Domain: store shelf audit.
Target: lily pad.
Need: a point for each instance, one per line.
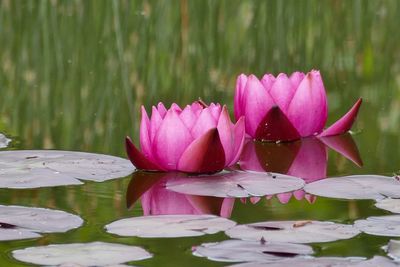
(245, 251)
(18, 222)
(4, 141)
(170, 225)
(380, 225)
(324, 262)
(81, 254)
(236, 184)
(356, 187)
(43, 168)
(389, 204)
(393, 249)
(293, 231)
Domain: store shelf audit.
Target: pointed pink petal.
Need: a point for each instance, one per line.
(282, 92)
(145, 143)
(171, 141)
(267, 81)
(311, 161)
(196, 108)
(255, 200)
(243, 200)
(225, 130)
(204, 123)
(215, 111)
(227, 207)
(155, 123)
(299, 194)
(176, 108)
(238, 99)
(344, 145)
(203, 155)
(275, 126)
(138, 159)
(239, 134)
(161, 109)
(296, 78)
(257, 103)
(344, 123)
(284, 197)
(308, 109)
(188, 117)
(310, 198)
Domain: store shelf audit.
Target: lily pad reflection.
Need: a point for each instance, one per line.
(18, 222)
(245, 251)
(293, 231)
(81, 254)
(236, 184)
(170, 226)
(43, 168)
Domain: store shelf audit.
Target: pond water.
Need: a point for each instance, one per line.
(74, 75)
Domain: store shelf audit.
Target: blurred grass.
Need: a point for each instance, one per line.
(73, 74)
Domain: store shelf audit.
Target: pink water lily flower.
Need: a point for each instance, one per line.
(286, 108)
(197, 139)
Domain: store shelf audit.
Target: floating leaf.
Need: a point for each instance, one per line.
(4, 141)
(42, 168)
(393, 249)
(380, 225)
(18, 222)
(169, 226)
(356, 187)
(293, 231)
(239, 251)
(236, 184)
(389, 204)
(324, 262)
(81, 254)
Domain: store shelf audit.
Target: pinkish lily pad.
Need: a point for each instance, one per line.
(43, 168)
(255, 251)
(18, 222)
(236, 184)
(170, 226)
(389, 204)
(393, 249)
(293, 231)
(81, 254)
(356, 187)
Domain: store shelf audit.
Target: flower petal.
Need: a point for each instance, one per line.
(204, 123)
(344, 123)
(284, 198)
(204, 155)
(299, 194)
(161, 109)
(227, 207)
(248, 159)
(155, 123)
(344, 145)
(282, 91)
(188, 117)
(267, 81)
(215, 111)
(238, 99)
(275, 126)
(145, 143)
(239, 134)
(138, 159)
(257, 103)
(308, 109)
(225, 130)
(296, 78)
(171, 140)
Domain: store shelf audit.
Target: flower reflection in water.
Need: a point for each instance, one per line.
(156, 199)
(306, 158)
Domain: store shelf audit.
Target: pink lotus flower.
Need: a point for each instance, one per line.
(306, 159)
(286, 108)
(156, 199)
(197, 139)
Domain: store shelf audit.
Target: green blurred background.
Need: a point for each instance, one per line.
(73, 75)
